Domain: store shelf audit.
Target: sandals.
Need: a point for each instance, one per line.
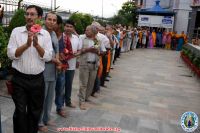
(62, 113)
(43, 129)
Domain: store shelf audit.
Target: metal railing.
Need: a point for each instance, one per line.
(10, 7)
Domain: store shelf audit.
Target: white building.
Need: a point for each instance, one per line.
(181, 8)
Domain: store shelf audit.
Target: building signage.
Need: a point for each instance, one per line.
(167, 20)
(144, 19)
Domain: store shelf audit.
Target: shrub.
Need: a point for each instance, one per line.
(196, 61)
(81, 21)
(5, 61)
(17, 20)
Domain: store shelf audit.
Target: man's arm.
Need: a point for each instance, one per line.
(13, 51)
(21, 49)
(45, 51)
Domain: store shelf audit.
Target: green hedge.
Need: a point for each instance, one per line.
(193, 58)
(17, 20)
(5, 62)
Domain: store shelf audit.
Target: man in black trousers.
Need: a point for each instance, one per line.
(29, 48)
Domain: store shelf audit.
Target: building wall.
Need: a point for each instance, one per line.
(181, 21)
(163, 3)
(182, 15)
(181, 7)
(151, 3)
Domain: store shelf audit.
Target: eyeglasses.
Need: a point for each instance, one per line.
(68, 26)
(31, 14)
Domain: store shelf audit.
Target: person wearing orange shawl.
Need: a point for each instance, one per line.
(139, 45)
(168, 41)
(154, 37)
(111, 41)
(181, 41)
(185, 38)
(122, 35)
(96, 87)
(174, 40)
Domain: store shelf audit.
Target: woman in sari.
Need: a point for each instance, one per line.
(168, 41)
(151, 41)
(164, 39)
(154, 37)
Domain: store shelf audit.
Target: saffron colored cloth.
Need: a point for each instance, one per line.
(154, 38)
(109, 61)
(100, 70)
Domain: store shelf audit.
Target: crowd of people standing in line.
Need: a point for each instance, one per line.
(44, 63)
(143, 37)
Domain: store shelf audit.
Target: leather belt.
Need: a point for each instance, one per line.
(91, 62)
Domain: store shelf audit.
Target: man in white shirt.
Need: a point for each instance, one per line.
(69, 73)
(29, 51)
(89, 62)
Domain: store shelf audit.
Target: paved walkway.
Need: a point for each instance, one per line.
(149, 91)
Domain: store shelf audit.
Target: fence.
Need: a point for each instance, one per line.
(10, 7)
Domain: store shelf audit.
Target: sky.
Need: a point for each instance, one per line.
(94, 7)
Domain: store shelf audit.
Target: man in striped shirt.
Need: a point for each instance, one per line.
(29, 52)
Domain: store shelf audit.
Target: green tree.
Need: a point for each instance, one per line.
(126, 15)
(17, 20)
(81, 21)
(86, 20)
(4, 60)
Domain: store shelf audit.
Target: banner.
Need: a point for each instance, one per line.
(156, 21)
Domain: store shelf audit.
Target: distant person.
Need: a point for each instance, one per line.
(29, 52)
(1, 13)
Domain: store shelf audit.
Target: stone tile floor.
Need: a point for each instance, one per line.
(149, 91)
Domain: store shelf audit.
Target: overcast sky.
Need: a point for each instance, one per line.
(94, 7)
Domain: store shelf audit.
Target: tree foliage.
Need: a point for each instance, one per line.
(17, 20)
(126, 15)
(81, 21)
(5, 62)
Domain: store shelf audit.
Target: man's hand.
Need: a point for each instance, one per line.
(77, 64)
(94, 50)
(29, 39)
(56, 61)
(35, 40)
(61, 56)
(109, 34)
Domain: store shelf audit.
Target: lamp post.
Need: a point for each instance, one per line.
(53, 5)
(102, 10)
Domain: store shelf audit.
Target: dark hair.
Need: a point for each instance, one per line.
(69, 22)
(37, 8)
(59, 20)
(51, 12)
